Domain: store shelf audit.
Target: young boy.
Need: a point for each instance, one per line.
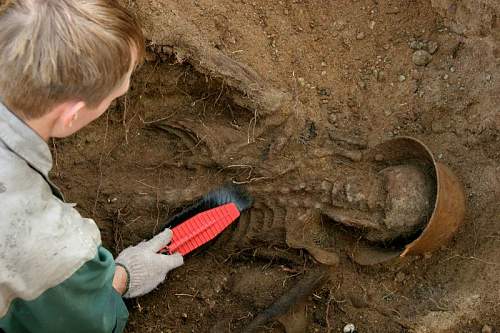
(62, 62)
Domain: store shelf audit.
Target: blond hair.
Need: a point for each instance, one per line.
(53, 51)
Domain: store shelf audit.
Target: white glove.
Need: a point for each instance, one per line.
(147, 268)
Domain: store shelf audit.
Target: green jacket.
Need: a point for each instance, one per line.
(54, 274)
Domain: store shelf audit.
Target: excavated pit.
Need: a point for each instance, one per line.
(295, 138)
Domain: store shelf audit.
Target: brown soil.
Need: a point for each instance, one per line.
(319, 77)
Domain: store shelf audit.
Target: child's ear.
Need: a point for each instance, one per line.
(70, 113)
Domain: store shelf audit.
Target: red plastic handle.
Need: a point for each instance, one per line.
(201, 229)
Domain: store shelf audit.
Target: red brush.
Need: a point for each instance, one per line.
(201, 228)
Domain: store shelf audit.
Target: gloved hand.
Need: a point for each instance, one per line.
(145, 267)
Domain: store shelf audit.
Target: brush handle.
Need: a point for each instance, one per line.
(201, 228)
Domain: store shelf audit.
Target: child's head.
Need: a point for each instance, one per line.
(66, 59)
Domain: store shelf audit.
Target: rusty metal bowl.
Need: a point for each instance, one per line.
(449, 207)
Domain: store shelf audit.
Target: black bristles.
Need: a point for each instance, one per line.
(223, 195)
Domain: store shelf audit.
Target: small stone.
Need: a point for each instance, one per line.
(360, 36)
(402, 78)
(421, 58)
(445, 77)
(323, 73)
(301, 81)
(488, 77)
(452, 69)
(349, 328)
(323, 64)
(432, 47)
(487, 329)
(371, 25)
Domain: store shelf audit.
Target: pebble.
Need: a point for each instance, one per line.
(360, 36)
(349, 328)
(402, 78)
(432, 47)
(421, 58)
(487, 329)
(301, 81)
(445, 77)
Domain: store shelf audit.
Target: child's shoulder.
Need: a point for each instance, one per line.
(18, 181)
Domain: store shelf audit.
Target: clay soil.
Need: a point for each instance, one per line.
(347, 67)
